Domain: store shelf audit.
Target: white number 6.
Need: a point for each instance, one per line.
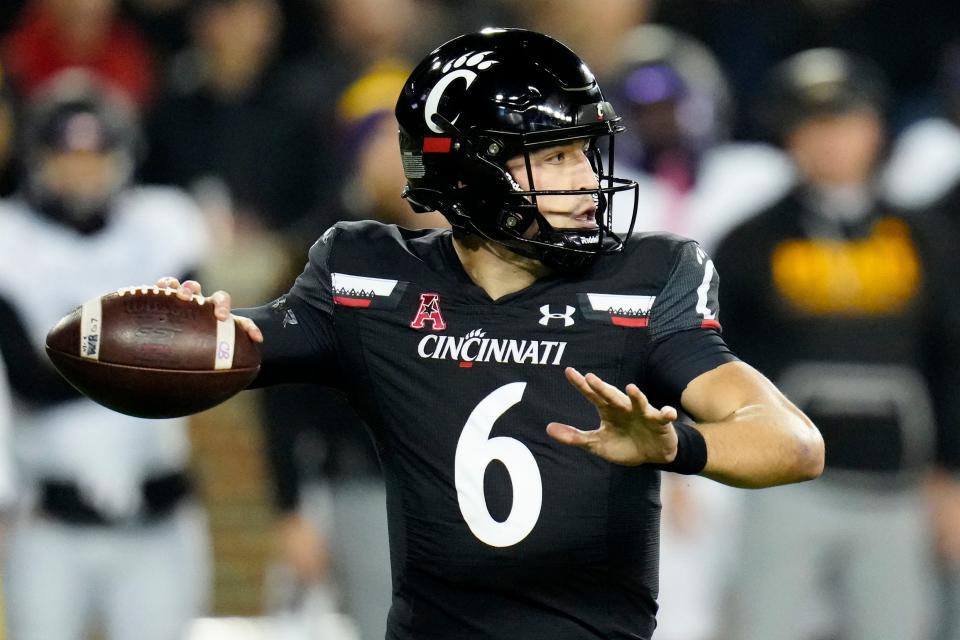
(475, 451)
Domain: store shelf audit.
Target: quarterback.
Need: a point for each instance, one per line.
(524, 373)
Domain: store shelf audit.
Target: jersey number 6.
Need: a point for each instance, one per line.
(475, 451)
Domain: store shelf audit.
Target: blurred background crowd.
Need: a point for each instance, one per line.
(811, 146)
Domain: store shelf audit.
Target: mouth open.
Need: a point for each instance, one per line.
(586, 219)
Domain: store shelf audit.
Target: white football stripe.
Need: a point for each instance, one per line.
(346, 282)
(91, 322)
(633, 304)
(226, 341)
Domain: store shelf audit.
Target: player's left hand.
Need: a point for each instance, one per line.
(631, 432)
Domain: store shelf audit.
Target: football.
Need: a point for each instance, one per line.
(145, 352)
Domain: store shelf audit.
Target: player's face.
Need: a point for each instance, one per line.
(837, 150)
(562, 167)
(80, 176)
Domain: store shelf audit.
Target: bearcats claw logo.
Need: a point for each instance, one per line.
(461, 68)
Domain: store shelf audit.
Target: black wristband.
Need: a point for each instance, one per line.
(691, 451)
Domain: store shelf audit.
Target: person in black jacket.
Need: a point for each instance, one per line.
(848, 306)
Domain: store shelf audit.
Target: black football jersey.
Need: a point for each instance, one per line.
(496, 530)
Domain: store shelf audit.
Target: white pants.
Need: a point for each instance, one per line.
(144, 582)
(698, 529)
(861, 557)
(352, 516)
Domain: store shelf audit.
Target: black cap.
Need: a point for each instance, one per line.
(75, 112)
(819, 82)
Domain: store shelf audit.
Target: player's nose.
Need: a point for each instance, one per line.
(583, 177)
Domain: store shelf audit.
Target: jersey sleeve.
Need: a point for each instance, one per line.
(684, 325)
(689, 298)
(299, 341)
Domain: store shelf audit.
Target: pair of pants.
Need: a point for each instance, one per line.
(854, 559)
(352, 516)
(136, 582)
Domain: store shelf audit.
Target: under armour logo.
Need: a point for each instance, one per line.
(566, 316)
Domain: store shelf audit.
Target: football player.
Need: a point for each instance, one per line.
(460, 349)
(850, 305)
(107, 530)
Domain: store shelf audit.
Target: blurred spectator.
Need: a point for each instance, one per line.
(328, 484)
(9, 11)
(107, 535)
(222, 120)
(925, 161)
(851, 309)
(7, 139)
(677, 107)
(331, 504)
(750, 36)
(368, 129)
(944, 490)
(358, 36)
(163, 23)
(54, 35)
(593, 29)
(166, 24)
(7, 481)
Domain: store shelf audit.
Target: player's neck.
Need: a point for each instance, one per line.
(496, 269)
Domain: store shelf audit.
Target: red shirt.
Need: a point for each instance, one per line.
(34, 52)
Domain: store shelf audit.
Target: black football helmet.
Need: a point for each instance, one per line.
(484, 98)
(76, 113)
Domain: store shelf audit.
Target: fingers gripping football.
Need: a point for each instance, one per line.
(220, 299)
(631, 430)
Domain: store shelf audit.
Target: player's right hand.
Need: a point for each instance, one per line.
(220, 299)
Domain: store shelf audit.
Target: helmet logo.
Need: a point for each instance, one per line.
(463, 67)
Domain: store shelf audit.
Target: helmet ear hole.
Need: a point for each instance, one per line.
(423, 200)
(512, 222)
